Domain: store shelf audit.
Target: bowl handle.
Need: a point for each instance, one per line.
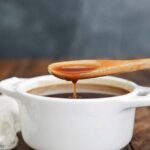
(9, 85)
(141, 98)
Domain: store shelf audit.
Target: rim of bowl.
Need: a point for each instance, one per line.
(22, 92)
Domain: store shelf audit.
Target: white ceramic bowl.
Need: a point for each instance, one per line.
(64, 124)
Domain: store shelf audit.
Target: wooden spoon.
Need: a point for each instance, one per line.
(82, 69)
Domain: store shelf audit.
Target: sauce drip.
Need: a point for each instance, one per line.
(74, 89)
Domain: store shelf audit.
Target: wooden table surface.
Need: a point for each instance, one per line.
(36, 67)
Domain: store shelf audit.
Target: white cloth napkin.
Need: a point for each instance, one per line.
(9, 123)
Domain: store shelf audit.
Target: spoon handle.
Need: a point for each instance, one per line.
(121, 66)
(140, 64)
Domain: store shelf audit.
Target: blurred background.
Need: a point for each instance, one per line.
(74, 28)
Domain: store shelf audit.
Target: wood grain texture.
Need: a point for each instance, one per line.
(35, 67)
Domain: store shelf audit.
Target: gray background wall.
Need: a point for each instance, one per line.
(74, 28)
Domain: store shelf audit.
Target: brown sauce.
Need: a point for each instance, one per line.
(100, 91)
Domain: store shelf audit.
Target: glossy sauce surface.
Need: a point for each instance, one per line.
(82, 95)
